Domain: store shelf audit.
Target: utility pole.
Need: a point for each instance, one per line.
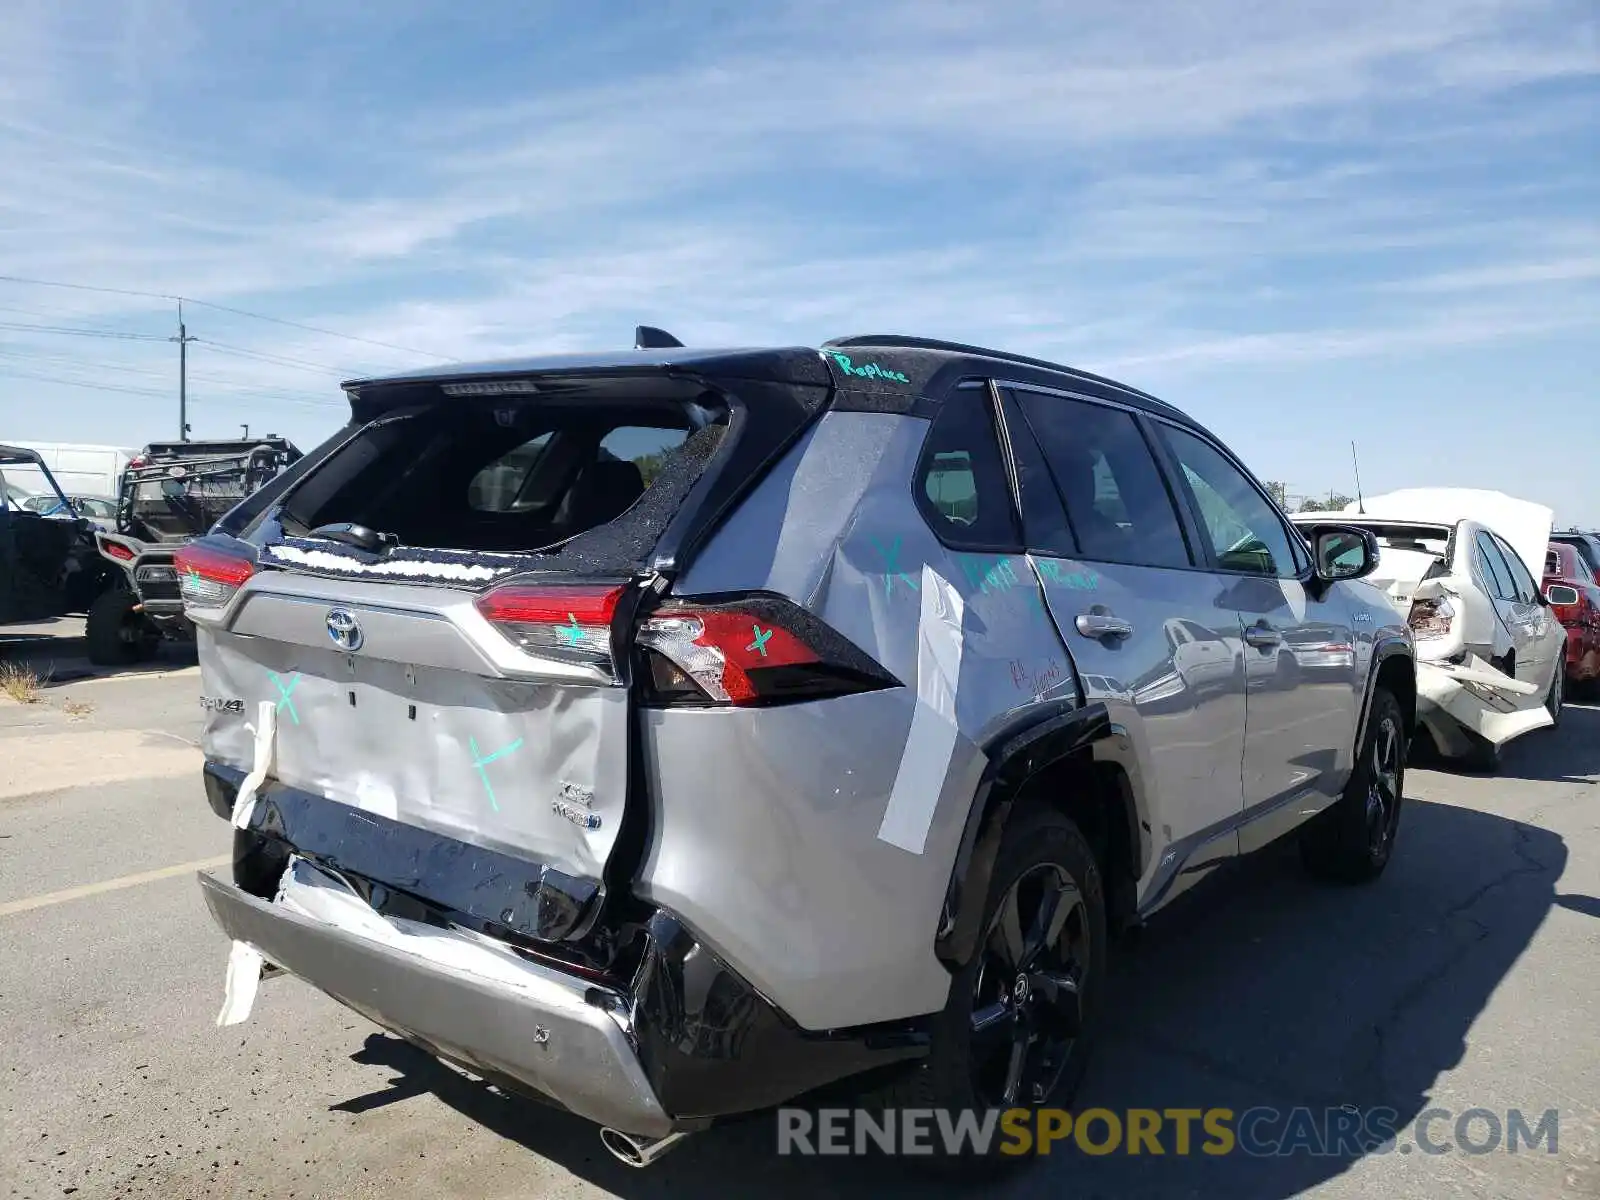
(1361, 504)
(183, 339)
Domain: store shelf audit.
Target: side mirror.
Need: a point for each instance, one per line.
(1559, 595)
(1342, 552)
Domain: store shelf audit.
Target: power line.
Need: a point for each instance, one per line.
(45, 312)
(281, 360)
(84, 287)
(102, 333)
(68, 361)
(227, 388)
(204, 401)
(349, 337)
(95, 387)
(240, 312)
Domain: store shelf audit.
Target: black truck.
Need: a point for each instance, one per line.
(171, 492)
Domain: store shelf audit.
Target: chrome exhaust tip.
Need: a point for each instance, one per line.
(635, 1151)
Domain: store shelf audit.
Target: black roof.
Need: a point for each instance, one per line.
(17, 455)
(886, 365)
(215, 446)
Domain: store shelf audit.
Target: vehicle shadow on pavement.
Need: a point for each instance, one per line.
(1570, 754)
(1259, 988)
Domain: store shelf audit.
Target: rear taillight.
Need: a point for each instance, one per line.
(756, 650)
(1431, 618)
(564, 622)
(117, 550)
(209, 578)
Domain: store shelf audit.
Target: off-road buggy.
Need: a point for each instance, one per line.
(171, 492)
(48, 564)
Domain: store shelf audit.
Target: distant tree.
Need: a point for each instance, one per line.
(649, 466)
(1278, 492)
(1334, 502)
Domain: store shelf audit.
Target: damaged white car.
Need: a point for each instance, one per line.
(1454, 562)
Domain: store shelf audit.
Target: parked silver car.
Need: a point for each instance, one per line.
(781, 720)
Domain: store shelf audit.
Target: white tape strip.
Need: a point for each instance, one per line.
(932, 737)
(245, 802)
(239, 988)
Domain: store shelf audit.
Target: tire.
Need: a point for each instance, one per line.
(1484, 756)
(117, 636)
(1555, 699)
(1041, 853)
(1353, 840)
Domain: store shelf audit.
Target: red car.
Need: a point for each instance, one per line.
(1574, 597)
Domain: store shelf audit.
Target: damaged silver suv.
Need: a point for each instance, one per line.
(669, 733)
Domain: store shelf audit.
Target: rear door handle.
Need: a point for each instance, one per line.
(1102, 625)
(1263, 636)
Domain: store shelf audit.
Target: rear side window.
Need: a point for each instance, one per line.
(1527, 590)
(502, 486)
(1117, 503)
(1495, 572)
(961, 484)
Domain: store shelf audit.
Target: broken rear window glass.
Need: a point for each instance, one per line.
(509, 478)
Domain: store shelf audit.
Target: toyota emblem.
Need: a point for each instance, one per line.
(344, 629)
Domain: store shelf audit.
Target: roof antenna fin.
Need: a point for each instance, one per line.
(648, 337)
(1356, 462)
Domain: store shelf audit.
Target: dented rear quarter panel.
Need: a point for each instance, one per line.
(770, 825)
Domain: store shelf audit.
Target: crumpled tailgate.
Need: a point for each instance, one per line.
(437, 722)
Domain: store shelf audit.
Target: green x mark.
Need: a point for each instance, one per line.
(285, 692)
(761, 640)
(480, 761)
(891, 567)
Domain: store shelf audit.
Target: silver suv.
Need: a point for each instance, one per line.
(668, 733)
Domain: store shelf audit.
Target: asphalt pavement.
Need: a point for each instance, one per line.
(1467, 978)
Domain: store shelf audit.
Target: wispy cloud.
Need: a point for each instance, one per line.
(1166, 188)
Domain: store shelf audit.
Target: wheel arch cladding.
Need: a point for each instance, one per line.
(1395, 670)
(1055, 745)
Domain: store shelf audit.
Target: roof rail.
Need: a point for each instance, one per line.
(901, 341)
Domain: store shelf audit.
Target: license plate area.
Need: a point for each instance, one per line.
(531, 769)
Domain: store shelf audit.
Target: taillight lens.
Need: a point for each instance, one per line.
(208, 577)
(565, 622)
(1431, 618)
(756, 650)
(117, 550)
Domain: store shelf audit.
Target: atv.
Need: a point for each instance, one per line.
(171, 492)
(48, 564)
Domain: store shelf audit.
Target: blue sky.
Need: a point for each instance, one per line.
(1303, 223)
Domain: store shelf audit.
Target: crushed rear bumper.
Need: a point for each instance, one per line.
(669, 1037)
(555, 1035)
(1457, 701)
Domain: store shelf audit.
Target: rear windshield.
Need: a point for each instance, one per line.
(507, 477)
